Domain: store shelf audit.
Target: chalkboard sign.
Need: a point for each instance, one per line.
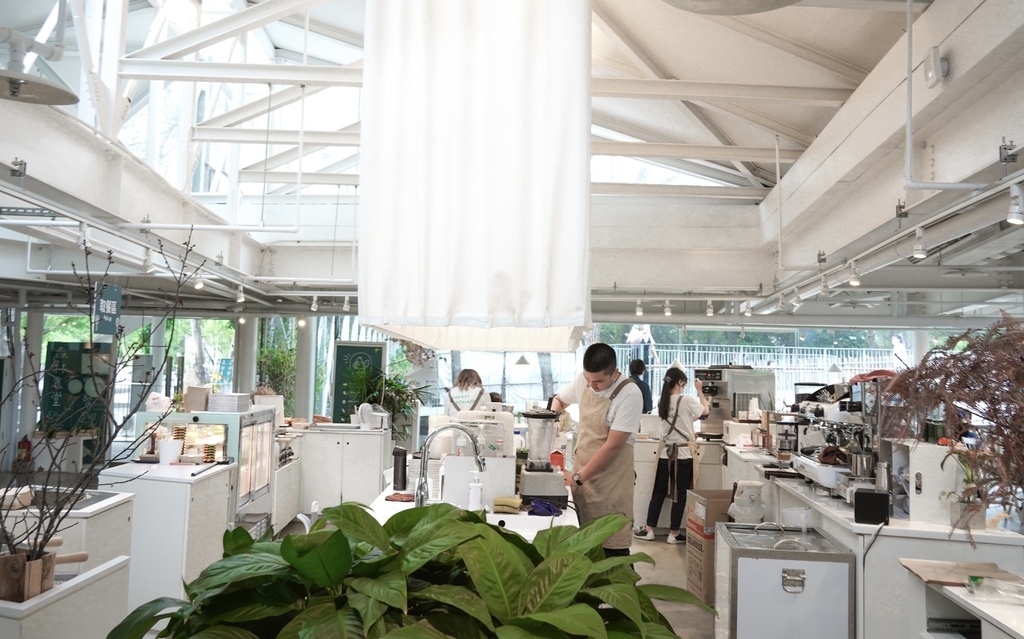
(76, 387)
(349, 355)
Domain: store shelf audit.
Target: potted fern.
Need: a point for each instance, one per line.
(394, 392)
(428, 572)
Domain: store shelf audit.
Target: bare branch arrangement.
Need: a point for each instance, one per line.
(979, 373)
(39, 497)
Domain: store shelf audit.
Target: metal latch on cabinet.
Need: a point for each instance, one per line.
(793, 580)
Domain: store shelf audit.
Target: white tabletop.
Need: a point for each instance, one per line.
(180, 473)
(1007, 617)
(840, 511)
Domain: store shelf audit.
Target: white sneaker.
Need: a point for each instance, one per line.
(676, 539)
(643, 533)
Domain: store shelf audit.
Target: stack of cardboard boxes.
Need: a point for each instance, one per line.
(704, 509)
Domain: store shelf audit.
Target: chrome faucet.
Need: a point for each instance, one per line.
(421, 484)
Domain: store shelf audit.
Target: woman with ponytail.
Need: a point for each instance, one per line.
(678, 412)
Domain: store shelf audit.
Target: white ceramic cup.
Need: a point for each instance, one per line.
(169, 450)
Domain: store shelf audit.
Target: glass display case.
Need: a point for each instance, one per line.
(243, 437)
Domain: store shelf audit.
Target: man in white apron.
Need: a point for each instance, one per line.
(610, 408)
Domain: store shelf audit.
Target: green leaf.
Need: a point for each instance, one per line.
(426, 542)
(240, 568)
(458, 597)
(651, 612)
(672, 593)
(374, 564)
(323, 622)
(236, 540)
(141, 620)
(577, 619)
(249, 604)
(224, 632)
(497, 573)
(611, 562)
(536, 631)
(553, 584)
(594, 533)
(419, 630)
(370, 610)
(388, 588)
(358, 524)
(403, 522)
(324, 556)
(658, 631)
(549, 540)
(624, 599)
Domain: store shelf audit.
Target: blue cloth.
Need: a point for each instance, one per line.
(645, 390)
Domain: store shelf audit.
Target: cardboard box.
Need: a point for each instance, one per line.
(704, 509)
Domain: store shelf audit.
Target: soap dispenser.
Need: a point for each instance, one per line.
(476, 491)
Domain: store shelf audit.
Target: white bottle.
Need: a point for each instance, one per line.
(476, 491)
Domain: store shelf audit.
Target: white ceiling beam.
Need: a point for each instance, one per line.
(679, 190)
(693, 151)
(773, 125)
(188, 71)
(284, 157)
(341, 166)
(849, 74)
(229, 26)
(291, 177)
(233, 135)
(261, 106)
(656, 89)
(605, 21)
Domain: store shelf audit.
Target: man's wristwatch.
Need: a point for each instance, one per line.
(576, 478)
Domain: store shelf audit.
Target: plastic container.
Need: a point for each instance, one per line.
(995, 590)
(797, 518)
(476, 492)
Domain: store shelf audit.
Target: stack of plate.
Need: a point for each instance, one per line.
(229, 403)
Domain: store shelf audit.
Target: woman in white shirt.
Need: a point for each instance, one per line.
(468, 393)
(678, 412)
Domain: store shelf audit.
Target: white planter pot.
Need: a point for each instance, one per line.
(89, 605)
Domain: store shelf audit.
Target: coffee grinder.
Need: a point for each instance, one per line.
(538, 479)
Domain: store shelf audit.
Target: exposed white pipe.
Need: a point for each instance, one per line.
(149, 226)
(38, 223)
(909, 143)
(778, 193)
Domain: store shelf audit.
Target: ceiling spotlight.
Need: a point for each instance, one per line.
(1016, 214)
(241, 295)
(824, 286)
(199, 281)
(854, 275)
(796, 301)
(147, 262)
(639, 309)
(919, 250)
(743, 332)
(345, 307)
(302, 322)
(710, 310)
(668, 309)
(749, 310)
(241, 320)
(314, 305)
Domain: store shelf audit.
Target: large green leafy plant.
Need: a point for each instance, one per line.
(427, 573)
(395, 392)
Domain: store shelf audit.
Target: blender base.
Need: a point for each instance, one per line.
(548, 486)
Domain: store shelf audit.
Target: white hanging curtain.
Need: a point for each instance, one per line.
(475, 181)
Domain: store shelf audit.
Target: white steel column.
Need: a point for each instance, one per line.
(305, 367)
(244, 379)
(158, 350)
(921, 345)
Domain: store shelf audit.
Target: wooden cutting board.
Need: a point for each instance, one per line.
(952, 573)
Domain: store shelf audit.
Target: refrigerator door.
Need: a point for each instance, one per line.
(776, 604)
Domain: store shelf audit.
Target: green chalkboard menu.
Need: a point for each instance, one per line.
(347, 356)
(76, 387)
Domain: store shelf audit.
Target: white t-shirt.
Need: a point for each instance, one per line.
(623, 414)
(465, 399)
(690, 411)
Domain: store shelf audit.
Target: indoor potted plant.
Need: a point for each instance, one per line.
(428, 572)
(394, 392)
(978, 374)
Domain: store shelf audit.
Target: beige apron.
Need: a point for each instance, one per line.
(611, 490)
(673, 454)
(475, 401)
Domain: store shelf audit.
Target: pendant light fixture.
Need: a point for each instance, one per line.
(668, 309)
(854, 275)
(241, 295)
(919, 247)
(1016, 214)
(199, 281)
(314, 306)
(710, 310)
(639, 309)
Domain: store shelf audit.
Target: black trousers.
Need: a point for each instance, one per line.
(684, 475)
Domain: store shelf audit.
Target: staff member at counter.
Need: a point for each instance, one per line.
(610, 409)
(468, 394)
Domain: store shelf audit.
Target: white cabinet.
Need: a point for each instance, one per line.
(178, 525)
(341, 465)
(645, 463)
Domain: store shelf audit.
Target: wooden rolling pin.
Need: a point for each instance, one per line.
(71, 558)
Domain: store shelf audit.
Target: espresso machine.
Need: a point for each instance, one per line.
(538, 478)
